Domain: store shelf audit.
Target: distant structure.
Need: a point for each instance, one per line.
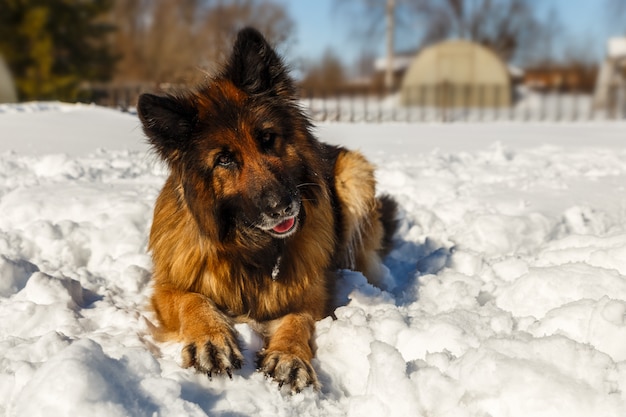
(7, 88)
(564, 78)
(457, 73)
(401, 62)
(611, 83)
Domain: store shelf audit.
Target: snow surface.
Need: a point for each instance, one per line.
(506, 293)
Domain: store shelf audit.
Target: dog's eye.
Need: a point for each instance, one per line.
(224, 160)
(267, 139)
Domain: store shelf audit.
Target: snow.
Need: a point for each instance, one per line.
(506, 292)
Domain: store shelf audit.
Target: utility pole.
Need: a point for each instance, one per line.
(391, 5)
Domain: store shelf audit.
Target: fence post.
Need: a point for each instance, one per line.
(365, 105)
(452, 107)
(338, 106)
(496, 102)
(441, 98)
(558, 104)
(575, 100)
(622, 99)
(481, 102)
(612, 101)
(542, 106)
(351, 99)
(408, 102)
(589, 113)
(466, 101)
(442, 101)
(423, 96)
(511, 104)
(380, 104)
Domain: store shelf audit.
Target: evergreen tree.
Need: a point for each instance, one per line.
(51, 46)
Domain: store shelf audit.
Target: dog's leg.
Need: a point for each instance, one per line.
(209, 336)
(368, 222)
(289, 350)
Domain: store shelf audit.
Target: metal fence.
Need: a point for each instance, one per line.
(480, 104)
(436, 104)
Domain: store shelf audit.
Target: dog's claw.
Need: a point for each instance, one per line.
(213, 359)
(287, 369)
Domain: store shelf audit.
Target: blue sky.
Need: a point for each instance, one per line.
(318, 28)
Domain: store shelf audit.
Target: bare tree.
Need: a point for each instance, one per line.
(580, 52)
(177, 40)
(223, 18)
(325, 77)
(509, 27)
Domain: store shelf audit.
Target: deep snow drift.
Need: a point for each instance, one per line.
(506, 293)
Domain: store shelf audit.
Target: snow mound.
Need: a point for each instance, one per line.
(505, 293)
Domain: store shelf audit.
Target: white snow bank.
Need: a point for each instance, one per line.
(506, 293)
(51, 127)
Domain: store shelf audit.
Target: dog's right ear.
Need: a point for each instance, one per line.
(168, 122)
(255, 67)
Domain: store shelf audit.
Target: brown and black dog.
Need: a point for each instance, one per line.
(255, 218)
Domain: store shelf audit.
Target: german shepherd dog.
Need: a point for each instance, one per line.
(255, 218)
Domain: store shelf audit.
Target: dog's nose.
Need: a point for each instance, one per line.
(277, 206)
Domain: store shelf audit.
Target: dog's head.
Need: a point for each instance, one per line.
(239, 147)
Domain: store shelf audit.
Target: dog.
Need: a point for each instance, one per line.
(255, 218)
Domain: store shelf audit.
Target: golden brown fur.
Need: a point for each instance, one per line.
(243, 167)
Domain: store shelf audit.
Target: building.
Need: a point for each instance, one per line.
(567, 79)
(401, 62)
(456, 73)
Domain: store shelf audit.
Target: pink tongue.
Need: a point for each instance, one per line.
(285, 226)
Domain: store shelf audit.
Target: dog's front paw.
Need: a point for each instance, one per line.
(216, 356)
(287, 368)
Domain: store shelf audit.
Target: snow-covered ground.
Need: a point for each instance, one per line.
(506, 294)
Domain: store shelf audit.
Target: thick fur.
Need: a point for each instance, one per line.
(244, 166)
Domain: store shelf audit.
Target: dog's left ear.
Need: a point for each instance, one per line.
(256, 68)
(167, 122)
